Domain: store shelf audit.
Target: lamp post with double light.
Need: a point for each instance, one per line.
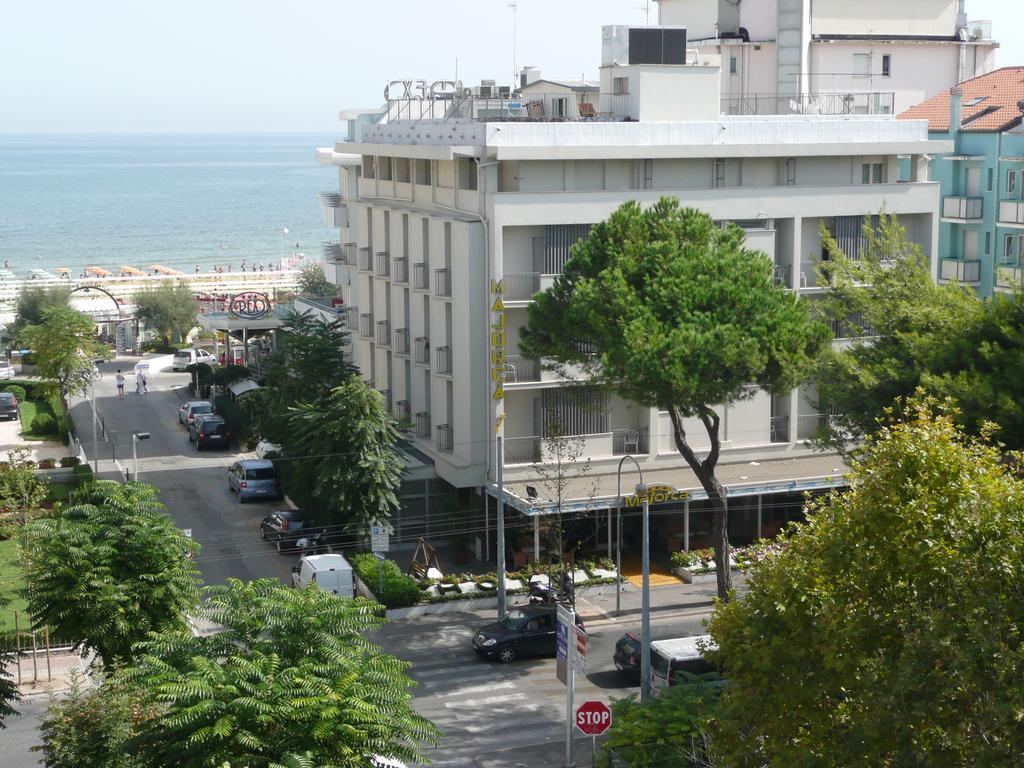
(645, 604)
(136, 436)
(618, 531)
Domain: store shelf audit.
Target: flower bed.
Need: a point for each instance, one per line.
(465, 586)
(698, 565)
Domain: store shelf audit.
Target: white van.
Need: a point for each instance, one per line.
(331, 573)
(684, 654)
(183, 358)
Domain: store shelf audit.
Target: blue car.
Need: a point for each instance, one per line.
(254, 479)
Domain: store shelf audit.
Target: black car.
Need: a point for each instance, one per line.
(9, 406)
(209, 429)
(285, 526)
(627, 655)
(528, 630)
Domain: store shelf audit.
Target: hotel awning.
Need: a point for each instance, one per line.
(242, 387)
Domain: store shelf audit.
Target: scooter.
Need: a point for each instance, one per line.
(541, 594)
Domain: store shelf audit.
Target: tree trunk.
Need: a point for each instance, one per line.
(705, 472)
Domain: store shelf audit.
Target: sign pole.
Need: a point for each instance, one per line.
(570, 690)
(499, 469)
(645, 608)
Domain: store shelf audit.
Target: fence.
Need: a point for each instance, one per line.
(29, 650)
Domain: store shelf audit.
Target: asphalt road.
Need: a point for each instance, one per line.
(193, 484)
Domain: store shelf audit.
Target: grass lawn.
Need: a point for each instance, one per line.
(12, 580)
(29, 410)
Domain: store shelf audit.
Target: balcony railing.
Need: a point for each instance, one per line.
(779, 429)
(445, 438)
(365, 260)
(421, 349)
(444, 360)
(366, 325)
(521, 286)
(383, 333)
(965, 208)
(1011, 212)
(845, 103)
(383, 264)
(963, 271)
(519, 370)
(1009, 277)
(522, 450)
(442, 282)
(423, 425)
(401, 341)
(352, 318)
(351, 254)
(526, 107)
(629, 442)
(421, 276)
(400, 269)
(385, 395)
(402, 410)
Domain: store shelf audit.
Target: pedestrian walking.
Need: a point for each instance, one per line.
(120, 384)
(138, 382)
(145, 384)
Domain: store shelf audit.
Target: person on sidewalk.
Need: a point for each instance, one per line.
(145, 384)
(120, 384)
(138, 382)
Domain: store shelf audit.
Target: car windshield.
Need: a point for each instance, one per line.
(512, 619)
(202, 408)
(6, 399)
(260, 473)
(183, 354)
(629, 644)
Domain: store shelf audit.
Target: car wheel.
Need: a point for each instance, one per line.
(506, 654)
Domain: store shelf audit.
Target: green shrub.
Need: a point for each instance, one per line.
(70, 461)
(236, 416)
(84, 473)
(44, 424)
(15, 389)
(400, 591)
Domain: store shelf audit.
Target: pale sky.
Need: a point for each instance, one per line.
(226, 65)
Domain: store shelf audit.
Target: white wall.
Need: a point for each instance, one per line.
(667, 94)
(698, 16)
(883, 17)
(760, 19)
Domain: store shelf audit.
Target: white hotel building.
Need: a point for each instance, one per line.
(447, 192)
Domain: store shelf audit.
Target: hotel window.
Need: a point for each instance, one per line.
(988, 243)
(872, 173)
(991, 176)
(368, 166)
(718, 177)
(861, 64)
(620, 85)
(789, 172)
(1012, 184)
(886, 64)
(732, 65)
(1009, 257)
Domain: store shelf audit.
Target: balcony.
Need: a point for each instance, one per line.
(400, 270)
(334, 210)
(383, 333)
(848, 103)
(445, 438)
(402, 410)
(526, 107)
(966, 271)
(442, 283)
(521, 287)
(366, 325)
(351, 251)
(365, 260)
(352, 317)
(423, 425)
(334, 253)
(536, 449)
(1011, 212)
(401, 346)
(961, 208)
(421, 350)
(444, 361)
(779, 429)
(521, 370)
(421, 277)
(628, 442)
(1009, 277)
(385, 395)
(383, 264)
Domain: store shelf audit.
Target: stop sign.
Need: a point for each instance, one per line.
(593, 717)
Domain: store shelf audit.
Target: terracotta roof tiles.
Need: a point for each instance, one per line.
(990, 103)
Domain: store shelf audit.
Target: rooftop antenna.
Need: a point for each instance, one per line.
(515, 69)
(646, 8)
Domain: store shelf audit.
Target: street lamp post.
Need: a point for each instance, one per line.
(645, 605)
(95, 440)
(618, 531)
(136, 436)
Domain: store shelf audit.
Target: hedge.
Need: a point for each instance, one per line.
(400, 591)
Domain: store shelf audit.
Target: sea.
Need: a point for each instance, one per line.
(181, 201)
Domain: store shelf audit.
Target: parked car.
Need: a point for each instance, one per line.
(330, 573)
(286, 526)
(528, 630)
(9, 407)
(254, 478)
(683, 654)
(183, 358)
(209, 430)
(627, 655)
(6, 370)
(265, 447)
(188, 412)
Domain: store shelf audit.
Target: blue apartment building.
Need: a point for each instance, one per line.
(981, 230)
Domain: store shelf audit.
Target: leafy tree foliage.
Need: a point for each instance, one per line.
(669, 310)
(313, 282)
(63, 344)
(910, 332)
(291, 678)
(21, 492)
(8, 689)
(341, 455)
(33, 301)
(170, 309)
(888, 632)
(109, 569)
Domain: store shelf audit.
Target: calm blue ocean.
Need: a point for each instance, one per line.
(175, 200)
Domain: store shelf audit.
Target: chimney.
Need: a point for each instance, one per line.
(956, 108)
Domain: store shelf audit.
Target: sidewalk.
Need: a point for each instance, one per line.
(550, 753)
(597, 604)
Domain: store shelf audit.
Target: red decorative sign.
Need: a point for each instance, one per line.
(593, 717)
(249, 305)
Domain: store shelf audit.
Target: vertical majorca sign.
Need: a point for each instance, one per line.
(499, 339)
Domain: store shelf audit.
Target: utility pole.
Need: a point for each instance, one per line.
(645, 606)
(499, 470)
(515, 33)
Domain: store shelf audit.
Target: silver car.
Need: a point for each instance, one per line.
(188, 412)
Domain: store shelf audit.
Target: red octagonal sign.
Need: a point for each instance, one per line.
(593, 717)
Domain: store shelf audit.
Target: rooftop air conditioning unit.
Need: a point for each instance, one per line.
(504, 91)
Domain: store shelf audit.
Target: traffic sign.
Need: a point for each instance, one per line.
(579, 658)
(566, 619)
(593, 717)
(380, 539)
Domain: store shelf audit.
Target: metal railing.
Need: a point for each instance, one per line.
(383, 333)
(366, 325)
(779, 429)
(421, 350)
(630, 441)
(334, 252)
(423, 424)
(961, 270)
(330, 199)
(841, 103)
(420, 276)
(351, 253)
(400, 269)
(445, 438)
(402, 410)
(401, 346)
(365, 259)
(1008, 277)
(520, 370)
(352, 317)
(514, 107)
(442, 283)
(1011, 212)
(386, 397)
(522, 450)
(444, 360)
(383, 264)
(521, 286)
(961, 207)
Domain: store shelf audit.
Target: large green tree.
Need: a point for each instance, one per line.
(670, 310)
(291, 680)
(313, 282)
(63, 345)
(109, 568)
(888, 632)
(9, 695)
(33, 301)
(170, 309)
(341, 454)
